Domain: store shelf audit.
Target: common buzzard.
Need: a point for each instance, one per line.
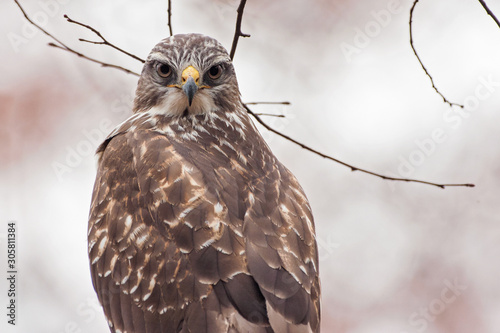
(195, 226)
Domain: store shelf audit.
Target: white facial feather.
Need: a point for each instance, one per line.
(176, 102)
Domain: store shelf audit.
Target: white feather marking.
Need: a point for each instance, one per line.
(218, 208)
(172, 223)
(251, 198)
(209, 242)
(219, 149)
(152, 283)
(137, 231)
(235, 118)
(128, 222)
(242, 158)
(111, 265)
(185, 212)
(193, 136)
(143, 150)
(226, 143)
(168, 131)
(141, 240)
(284, 209)
(242, 133)
(101, 248)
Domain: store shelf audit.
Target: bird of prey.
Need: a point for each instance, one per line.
(194, 225)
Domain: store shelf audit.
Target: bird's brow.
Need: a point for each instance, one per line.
(158, 56)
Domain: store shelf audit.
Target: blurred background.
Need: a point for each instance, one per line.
(394, 257)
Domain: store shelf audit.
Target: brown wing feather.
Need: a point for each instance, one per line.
(158, 240)
(191, 238)
(282, 253)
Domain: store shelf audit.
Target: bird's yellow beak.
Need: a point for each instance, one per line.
(190, 82)
(190, 71)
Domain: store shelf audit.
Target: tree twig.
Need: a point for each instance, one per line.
(104, 41)
(420, 61)
(490, 13)
(103, 64)
(270, 115)
(169, 13)
(269, 103)
(67, 48)
(353, 168)
(273, 103)
(237, 30)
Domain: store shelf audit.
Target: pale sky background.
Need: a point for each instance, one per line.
(394, 257)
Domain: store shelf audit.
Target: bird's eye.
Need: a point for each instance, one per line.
(164, 70)
(215, 72)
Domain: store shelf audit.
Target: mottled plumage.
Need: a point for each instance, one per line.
(195, 226)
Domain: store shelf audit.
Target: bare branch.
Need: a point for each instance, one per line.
(67, 48)
(490, 13)
(237, 30)
(420, 61)
(39, 27)
(353, 168)
(104, 41)
(269, 103)
(271, 115)
(103, 64)
(169, 12)
(273, 103)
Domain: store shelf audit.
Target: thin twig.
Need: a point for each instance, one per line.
(169, 12)
(237, 30)
(67, 48)
(103, 64)
(353, 168)
(269, 103)
(490, 13)
(104, 41)
(37, 26)
(274, 103)
(271, 115)
(420, 61)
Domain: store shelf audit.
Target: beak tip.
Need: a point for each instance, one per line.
(190, 88)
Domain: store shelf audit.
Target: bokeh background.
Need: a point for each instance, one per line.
(395, 257)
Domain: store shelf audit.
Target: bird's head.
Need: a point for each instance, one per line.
(187, 75)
